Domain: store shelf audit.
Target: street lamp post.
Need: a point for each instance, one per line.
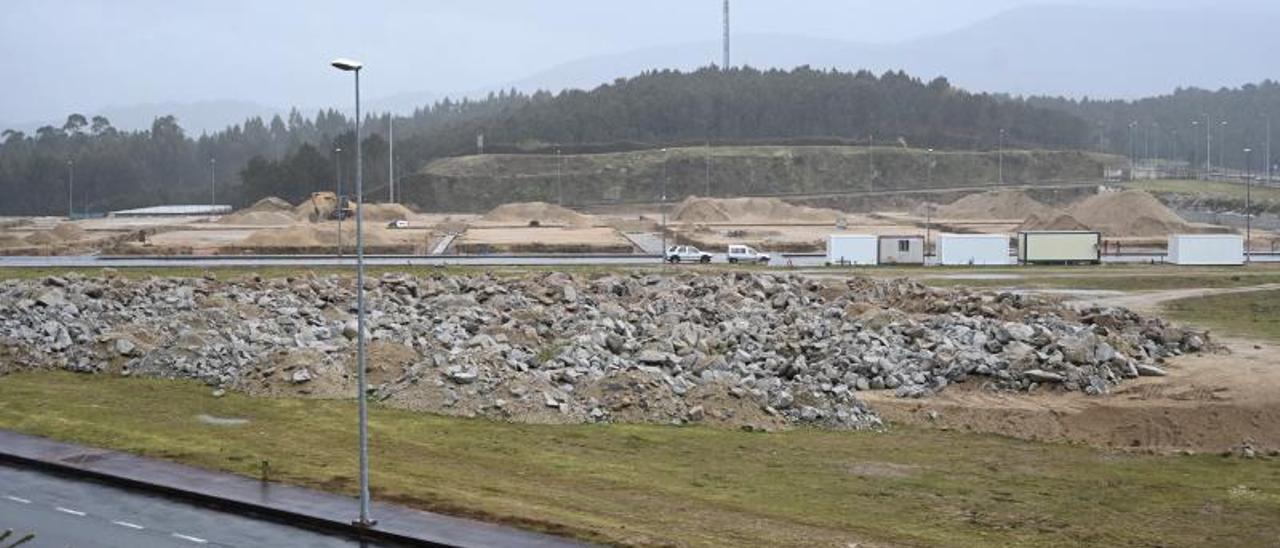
(71, 185)
(1248, 201)
(559, 177)
(213, 185)
(337, 154)
(363, 397)
(1222, 148)
(928, 207)
(1133, 174)
(663, 205)
(1001, 161)
(391, 157)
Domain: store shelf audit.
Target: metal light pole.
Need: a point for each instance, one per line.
(1222, 147)
(1248, 202)
(1208, 147)
(871, 164)
(364, 521)
(663, 205)
(71, 185)
(1195, 145)
(337, 154)
(213, 185)
(1001, 166)
(1268, 154)
(559, 177)
(1133, 168)
(928, 207)
(391, 157)
(707, 157)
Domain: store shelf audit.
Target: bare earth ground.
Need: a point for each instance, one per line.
(1207, 403)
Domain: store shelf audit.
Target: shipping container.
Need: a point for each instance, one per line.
(902, 250)
(1060, 247)
(1206, 249)
(852, 249)
(974, 249)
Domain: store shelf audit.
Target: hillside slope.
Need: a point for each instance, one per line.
(477, 183)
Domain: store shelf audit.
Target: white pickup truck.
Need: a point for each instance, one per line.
(746, 254)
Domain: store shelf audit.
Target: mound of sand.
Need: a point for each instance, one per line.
(68, 232)
(9, 240)
(260, 218)
(382, 213)
(1131, 213)
(307, 235)
(269, 204)
(749, 210)
(44, 237)
(542, 212)
(1001, 204)
(1057, 221)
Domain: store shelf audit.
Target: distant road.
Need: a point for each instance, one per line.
(64, 512)
(188, 261)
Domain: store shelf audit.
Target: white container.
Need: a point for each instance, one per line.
(973, 249)
(902, 250)
(1060, 246)
(853, 249)
(1206, 249)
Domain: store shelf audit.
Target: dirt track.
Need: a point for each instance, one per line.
(1207, 403)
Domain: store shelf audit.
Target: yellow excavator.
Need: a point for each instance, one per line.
(328, 206)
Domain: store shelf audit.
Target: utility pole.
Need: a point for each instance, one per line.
(1222, 147)
(1268, 153)
(1208, 147)
(726, 35)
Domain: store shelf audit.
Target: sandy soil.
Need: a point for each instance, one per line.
(515, 238)
(1207, 403)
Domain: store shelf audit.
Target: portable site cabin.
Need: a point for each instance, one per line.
(853, 249)
(1060, 246)
(973, 249)
(1206, 249)
(902, 250)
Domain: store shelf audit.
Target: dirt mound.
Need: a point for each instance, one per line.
(382, 213)
(296, 236)
(260, 218)
(1058, 221)
(68, 232)
(44, 237)
(749, 210)
(1132, 213)
(270, 204)
(542, 212)
(9, 240)
(1001, 204)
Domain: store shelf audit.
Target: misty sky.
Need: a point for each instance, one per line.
(82, 55)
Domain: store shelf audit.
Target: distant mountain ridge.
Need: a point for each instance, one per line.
(1039, 50)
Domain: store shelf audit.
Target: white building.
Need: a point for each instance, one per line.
(974, 249)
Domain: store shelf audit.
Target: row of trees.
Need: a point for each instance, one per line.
(294, 155)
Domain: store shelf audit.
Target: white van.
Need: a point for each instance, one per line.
(746, 254)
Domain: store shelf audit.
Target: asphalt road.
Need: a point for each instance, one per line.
(63, 512)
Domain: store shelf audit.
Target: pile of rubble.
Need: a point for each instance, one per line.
(745, 349)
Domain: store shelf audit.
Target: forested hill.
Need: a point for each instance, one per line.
(293, 156)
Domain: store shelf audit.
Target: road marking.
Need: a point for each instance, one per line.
(68, 511)
(129, 525)
(192, 539)
(17, 499)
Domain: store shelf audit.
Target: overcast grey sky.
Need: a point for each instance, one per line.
(83, 55)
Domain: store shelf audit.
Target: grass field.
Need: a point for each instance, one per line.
(653, 485)
(1254, 314)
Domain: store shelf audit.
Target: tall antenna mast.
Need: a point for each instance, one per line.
(726, 35)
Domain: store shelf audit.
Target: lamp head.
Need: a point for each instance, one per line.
(342, 63)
